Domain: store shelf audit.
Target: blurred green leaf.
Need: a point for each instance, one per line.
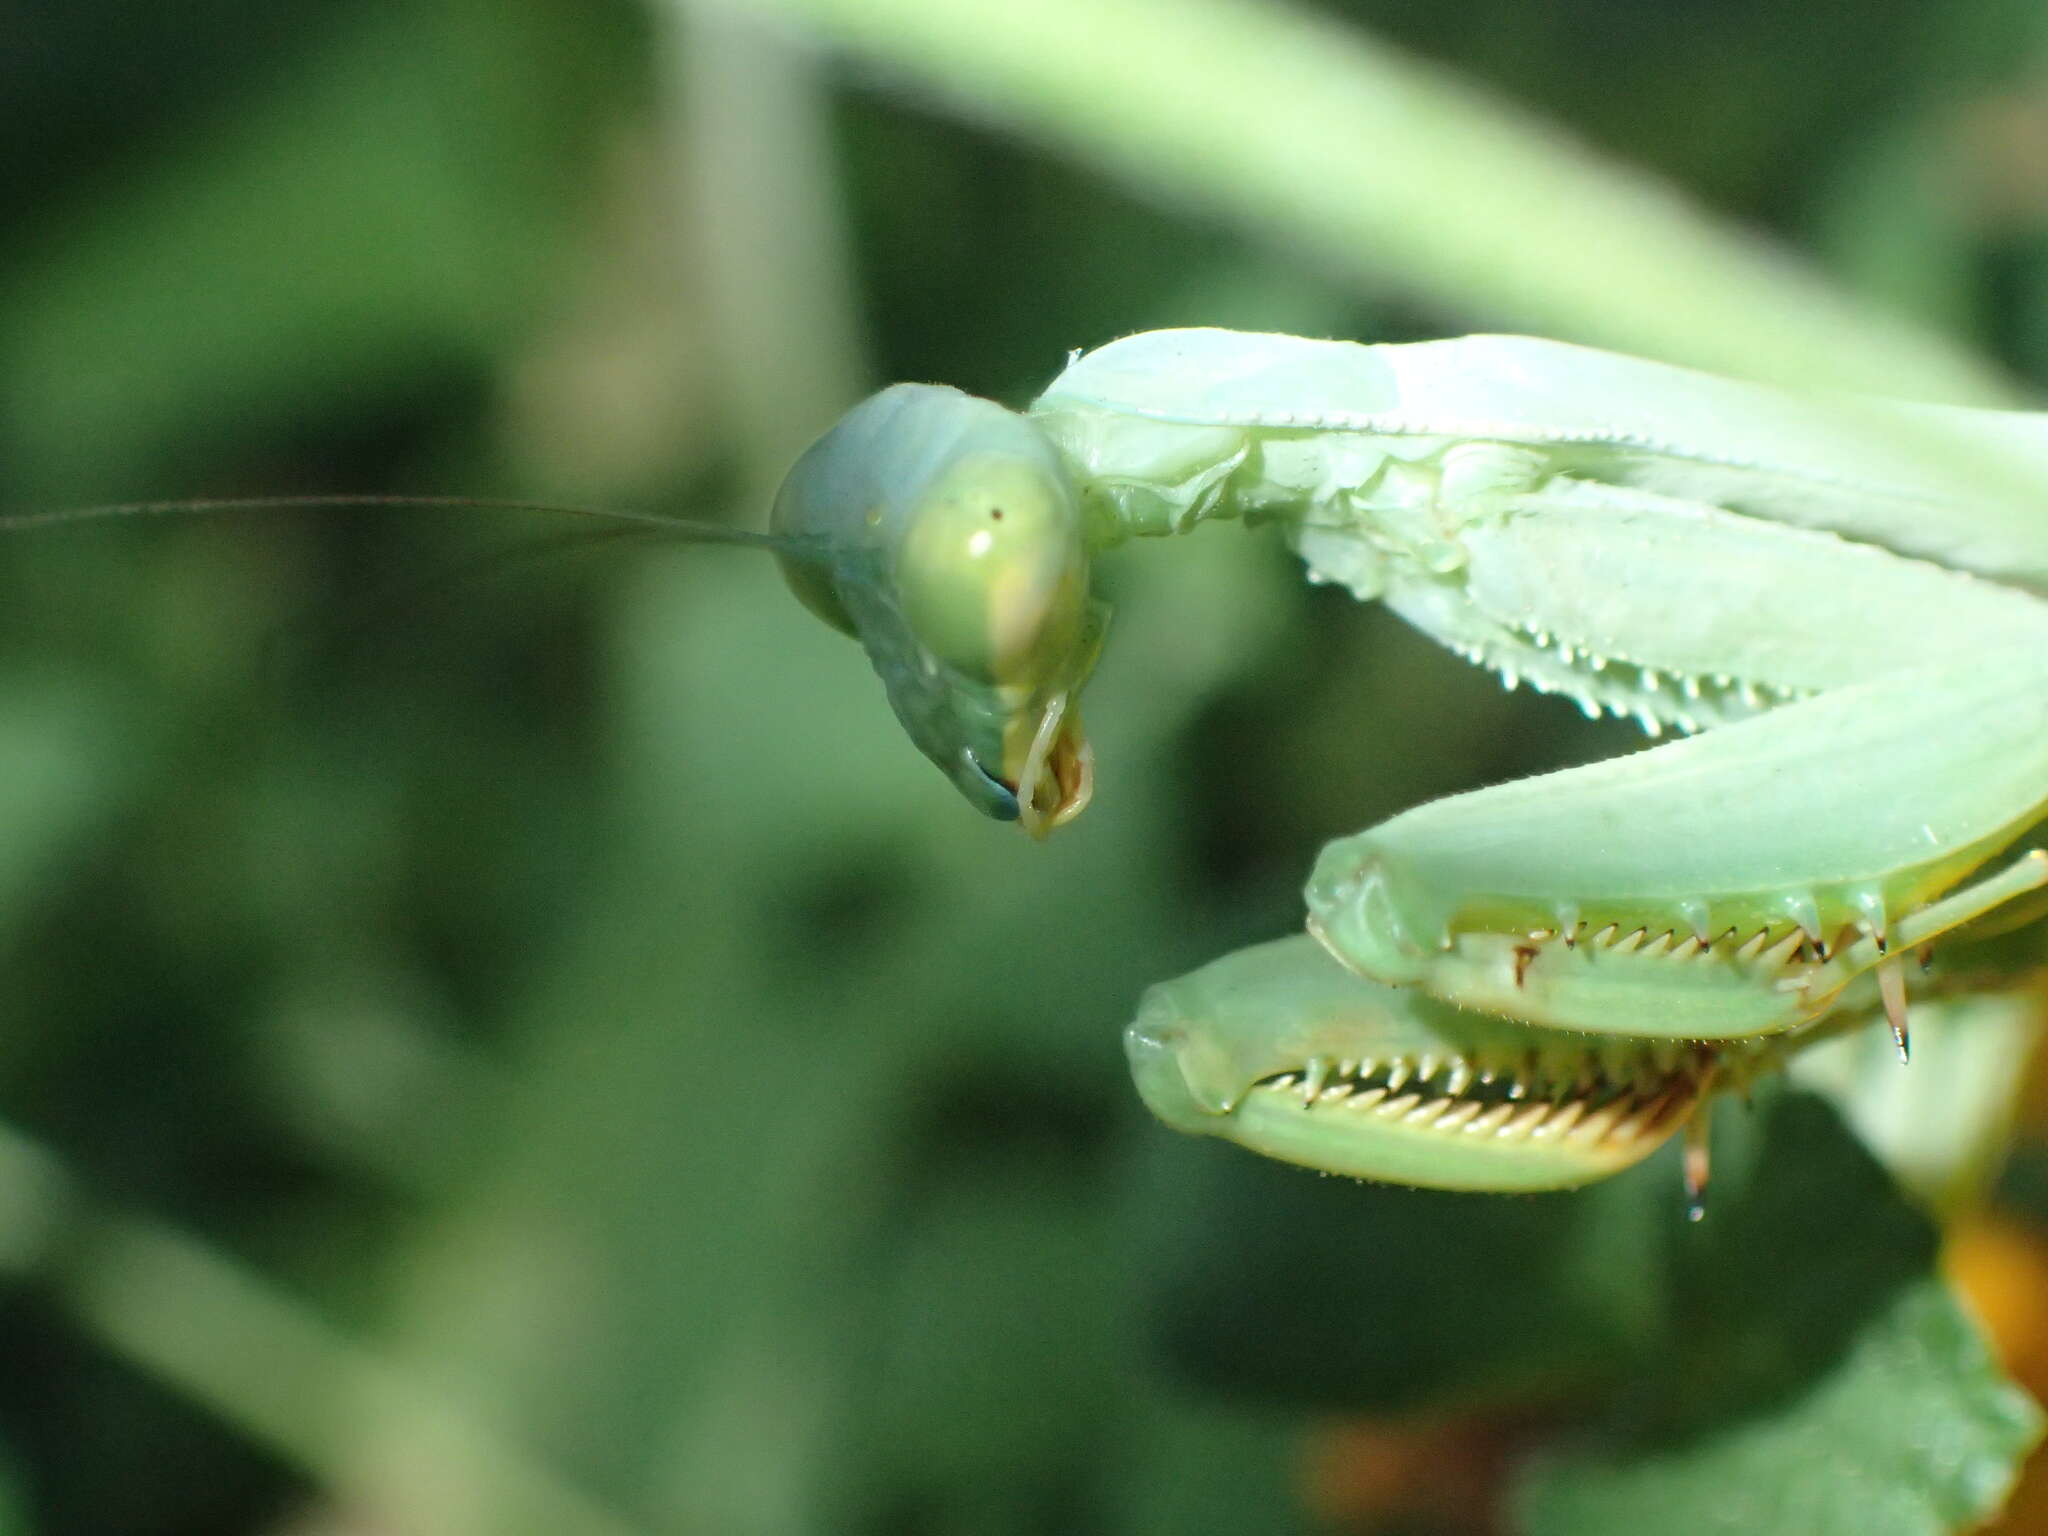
(1815, 1377)
(1768, 1359)
(374, 219)
(1266, 1282)
(67, 750)
(1912, 1432)
(1943, 1127)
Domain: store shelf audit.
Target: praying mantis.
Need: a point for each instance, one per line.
(1839, 606)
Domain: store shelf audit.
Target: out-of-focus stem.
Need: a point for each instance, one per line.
(1325, 138)
(218, 1334)
(762, 203)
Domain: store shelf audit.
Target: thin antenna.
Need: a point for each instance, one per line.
(676, 527)
(619, 524)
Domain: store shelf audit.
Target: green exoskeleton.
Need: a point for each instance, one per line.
(1842, 603)
(944, 532)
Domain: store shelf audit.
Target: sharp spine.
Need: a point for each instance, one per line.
(1560, 1120)
(1525, 1121)
(1804, 911)
(1891, 986)
(1597, 1125)
(1492, 1121)
(1428, 1112)
(1645, 1115)
(1313, 1076)
(1462, 1111)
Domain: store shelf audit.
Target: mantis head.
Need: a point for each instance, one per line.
(943, 533)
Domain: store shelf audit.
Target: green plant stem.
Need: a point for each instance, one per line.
(1322, 137)
(374, 1436)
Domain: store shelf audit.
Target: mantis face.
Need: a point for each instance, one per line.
(943, 533)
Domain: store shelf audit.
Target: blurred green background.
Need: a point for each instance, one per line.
(502, 1035)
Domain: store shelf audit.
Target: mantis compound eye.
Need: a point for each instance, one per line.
(992, 580)
(992, 574)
